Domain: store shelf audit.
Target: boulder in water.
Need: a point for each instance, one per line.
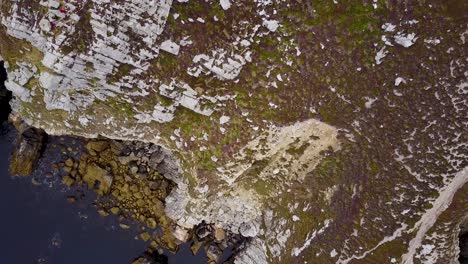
(27, 151)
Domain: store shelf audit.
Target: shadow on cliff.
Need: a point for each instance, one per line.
(463, 243)
(5, 97)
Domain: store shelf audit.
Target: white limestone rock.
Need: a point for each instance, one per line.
(272, 25)
(170, 46)
(405, 40)
(225, 4)
(18, 91)
(399, 80)
(182, 94)
(382, 53)
(107, 49)
(254, 253)
(223, 65)
(249, 229)
(224, 119)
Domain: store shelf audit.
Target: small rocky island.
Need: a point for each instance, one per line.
(262, 131)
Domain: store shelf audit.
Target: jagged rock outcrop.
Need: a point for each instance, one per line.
(325, 131)
(28, 149)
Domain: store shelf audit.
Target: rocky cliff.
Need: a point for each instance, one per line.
(323, 131)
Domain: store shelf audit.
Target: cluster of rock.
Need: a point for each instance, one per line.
(130, 175)
(135, 177)
(132, 180)
(216, 241)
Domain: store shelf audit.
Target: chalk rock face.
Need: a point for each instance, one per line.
(323, 131)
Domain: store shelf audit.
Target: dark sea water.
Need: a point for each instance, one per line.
(38, 225)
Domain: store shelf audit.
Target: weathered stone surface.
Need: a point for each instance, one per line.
(253, 254)
(219, 234)
(97, 178)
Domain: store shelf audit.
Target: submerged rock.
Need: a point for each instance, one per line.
(98, 178)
